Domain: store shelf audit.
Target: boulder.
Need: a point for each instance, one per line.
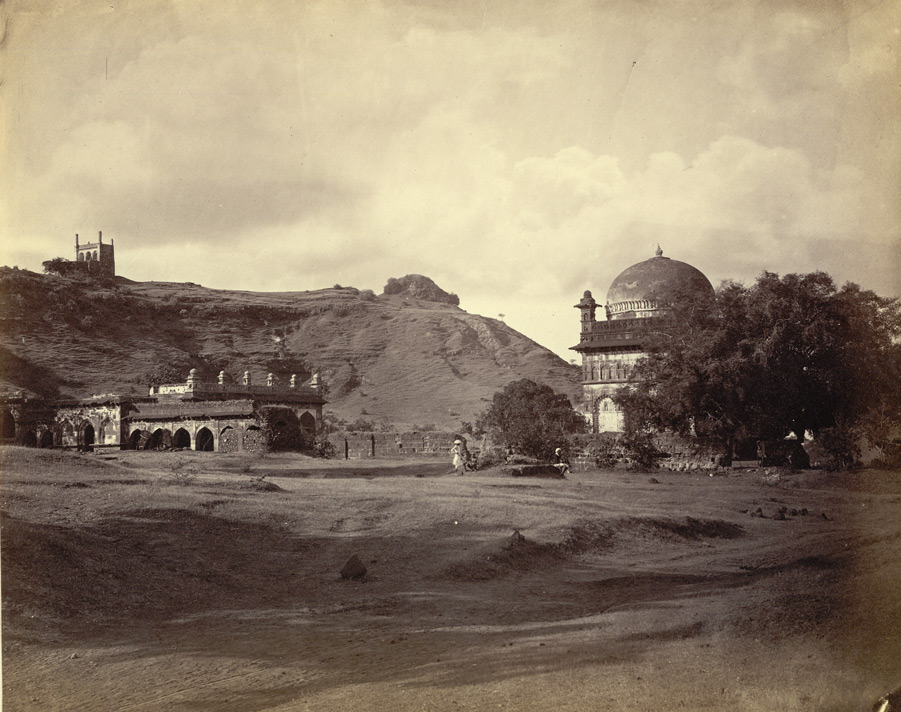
(353, 569)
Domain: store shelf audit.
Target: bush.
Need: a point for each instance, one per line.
(605, 450)
(640, 448)
(324, 448)
(532, 418)
(841, 446)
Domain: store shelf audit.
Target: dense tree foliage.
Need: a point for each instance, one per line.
(786, 355)
(532, 418)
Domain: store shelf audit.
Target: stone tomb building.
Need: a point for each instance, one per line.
(610, 348)
(96, 257)
(197, 415)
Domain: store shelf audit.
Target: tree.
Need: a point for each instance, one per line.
(532, 418)
(787, 355)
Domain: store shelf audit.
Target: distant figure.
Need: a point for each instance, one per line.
(560, 462)
(457, 452)
(510, 453)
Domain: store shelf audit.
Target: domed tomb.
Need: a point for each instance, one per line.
(644, 288)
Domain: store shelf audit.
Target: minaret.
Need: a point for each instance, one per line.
(587, 305)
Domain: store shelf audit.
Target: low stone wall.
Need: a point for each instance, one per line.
(362, 445)
(682, 454)
(687, 454)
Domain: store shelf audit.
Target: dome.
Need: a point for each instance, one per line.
(643, 288)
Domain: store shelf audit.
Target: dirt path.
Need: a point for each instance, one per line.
(127, 588)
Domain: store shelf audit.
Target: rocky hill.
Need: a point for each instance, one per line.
(410, 357)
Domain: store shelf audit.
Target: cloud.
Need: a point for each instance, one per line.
(517, 158)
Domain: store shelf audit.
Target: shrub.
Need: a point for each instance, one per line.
(532, 418)
(324, 448)
(605, 450)
(842, 447)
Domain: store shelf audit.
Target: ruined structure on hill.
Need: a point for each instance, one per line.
(196, 415)
(95, 259)
(637, 297)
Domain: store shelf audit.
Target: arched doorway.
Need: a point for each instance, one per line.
(138, 439)
(29, 439)
(105, 433)
(160, 440)
(204, 440)
(47, 439)
(181, 438)
(7, 426)
(86, 437)
(67, 434)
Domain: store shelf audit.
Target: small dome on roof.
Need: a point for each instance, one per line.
(643, 288)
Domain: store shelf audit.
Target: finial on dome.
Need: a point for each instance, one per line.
(659, 252)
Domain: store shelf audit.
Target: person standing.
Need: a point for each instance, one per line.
(457, 452)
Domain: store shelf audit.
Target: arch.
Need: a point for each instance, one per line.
(181, 438)
(229, 440)
(67, 434)
(86, 438)
(29, 439)
(607, 416)
(81, 256)
(160, 440)
(46, 439)
(204, 441)
(95, 255)
(7, 425)
(308, 423)
(105, 431)
(137, 440)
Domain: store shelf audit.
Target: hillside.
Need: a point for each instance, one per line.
(397, 358)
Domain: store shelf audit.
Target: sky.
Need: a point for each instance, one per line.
(518, 153)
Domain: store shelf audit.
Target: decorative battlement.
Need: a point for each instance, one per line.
(651, 307)
(617, 333)
(196, 389)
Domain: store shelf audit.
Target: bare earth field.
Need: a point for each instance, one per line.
(186, 581)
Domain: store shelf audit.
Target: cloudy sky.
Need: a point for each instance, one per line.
(517, 153)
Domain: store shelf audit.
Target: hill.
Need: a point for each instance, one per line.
(410, 357)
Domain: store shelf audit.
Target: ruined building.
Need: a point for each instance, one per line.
(96, 256)
(610, 348)
(197, 415)
(97, 259)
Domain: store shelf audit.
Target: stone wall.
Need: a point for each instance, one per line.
(682, 454)
(690, 453)
(360, 445)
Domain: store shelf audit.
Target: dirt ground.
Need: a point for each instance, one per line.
(201, 581)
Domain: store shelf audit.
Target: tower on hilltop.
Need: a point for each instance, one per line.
(96, 257)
